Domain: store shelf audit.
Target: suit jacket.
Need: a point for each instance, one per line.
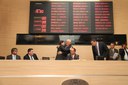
(26, 57)
(69, 57)
(67, 49)
(122, 53)
(104, 52)
(9, 57)
(61, 56)
(111, 53)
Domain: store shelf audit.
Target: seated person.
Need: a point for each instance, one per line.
(30, 55)
(60, 51)
(113, 52)
(72, 55)
(124, 52)
(13, 55)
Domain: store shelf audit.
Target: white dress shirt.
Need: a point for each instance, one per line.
(13, 57)
(31, 57)
(126, 55)
(97, 46)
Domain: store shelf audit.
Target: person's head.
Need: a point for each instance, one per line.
(124, 46)
(61, 43)
(30, 51)
(68, 42)
(112, 45)
(14, 51)
(73, 51)
(93, 42)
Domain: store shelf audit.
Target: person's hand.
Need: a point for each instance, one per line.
(71, 48)
(57, 46)
(59, 52)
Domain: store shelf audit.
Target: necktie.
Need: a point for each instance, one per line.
(32, 58)
(98, 51)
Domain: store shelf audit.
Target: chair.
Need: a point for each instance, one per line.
(2, 58)
(45, 58)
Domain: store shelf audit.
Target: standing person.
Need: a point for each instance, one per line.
(30, 55)
(13, 55)
(68, 46)
(124, 52)
(100, 50)
(113, 52)
(60, 51)
(72, 55)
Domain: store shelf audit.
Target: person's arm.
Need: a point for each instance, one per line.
(36, 58)
(106, 51)
(18, 57)
(8, 57)
(26, 57)
(121, 53)
(62, 48)
(77, 56)
(93, 51)
(68, 57)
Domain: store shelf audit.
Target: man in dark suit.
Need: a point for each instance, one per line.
(124, 52)
(113, 52)
(60, 51)
(68, 46)
(30, 55)
(13, 55)
(100, 50)
(63, 49)
(72, 55)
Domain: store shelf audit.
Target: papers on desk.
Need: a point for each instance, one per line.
(115, 55)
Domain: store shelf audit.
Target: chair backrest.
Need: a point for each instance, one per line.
(45, 58)
(2, 58)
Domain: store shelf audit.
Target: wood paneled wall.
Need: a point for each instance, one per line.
(14, 18)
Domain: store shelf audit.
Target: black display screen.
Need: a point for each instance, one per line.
(71, 17)
(36, 39)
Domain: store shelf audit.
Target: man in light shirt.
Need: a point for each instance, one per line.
(13, 55)
(72, 55)
(113, 52)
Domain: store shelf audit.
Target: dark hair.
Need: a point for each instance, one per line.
(13, 49)
(61, 42)
(112, 43)
(124, 44)
(74, 49)
(94, 40)
(30, 49)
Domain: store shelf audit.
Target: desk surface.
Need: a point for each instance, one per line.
(51, 72)
(52, 67)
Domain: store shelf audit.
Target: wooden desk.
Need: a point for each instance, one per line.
(51, 72)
